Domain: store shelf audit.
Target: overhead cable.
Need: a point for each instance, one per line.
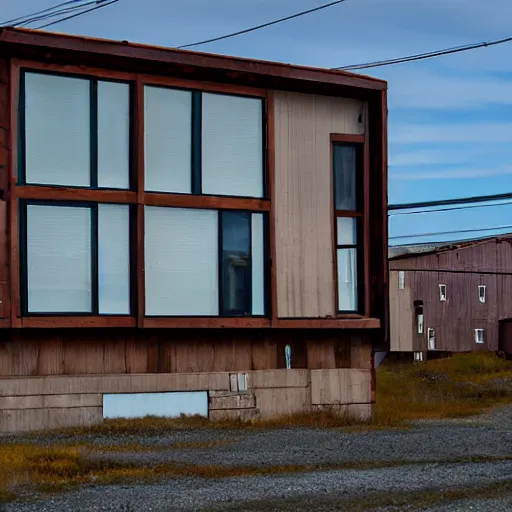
(421, 235)
(423, 56)
(466, 207)
(103, 3)
(263, 25)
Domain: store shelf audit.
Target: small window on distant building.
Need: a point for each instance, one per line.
(431, 335)
(479, 336)
(401, 280)
(482, 293)
(418, 311)
(442, 292)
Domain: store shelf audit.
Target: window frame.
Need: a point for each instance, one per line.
(482, 298)
(93, 127)
(361, 216)
(94, 226)
(442, 296)
(477, 337)
(137, 198)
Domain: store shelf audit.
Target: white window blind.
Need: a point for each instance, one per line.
(347, 279)
(347, 230)
(258, 264)
(181, 256)
(57, 130)
(232, 145)
(58, 259)
(168, 140)
(113, 135)
(114, 259)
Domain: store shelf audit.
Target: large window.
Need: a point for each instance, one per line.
(348, 216)
(204, 262)
(203, 143)
(75, 132)
(163, 215)
(75, 258)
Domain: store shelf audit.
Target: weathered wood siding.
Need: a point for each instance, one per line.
(456, 319)
(303, 198)
(37, 352)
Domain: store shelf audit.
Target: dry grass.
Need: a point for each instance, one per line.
(461, 386)
(54, 468)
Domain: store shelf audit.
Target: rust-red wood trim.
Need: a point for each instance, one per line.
(367, 183)
(140, 78)
(271, 162)
(78, 321)
(213, 202)
(37, 192)
(348, 138)
(205, 322)
(328, 323)
(163, 56)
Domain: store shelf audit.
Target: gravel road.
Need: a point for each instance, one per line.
(439, 466)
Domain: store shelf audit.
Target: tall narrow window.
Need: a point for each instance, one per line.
(442, 292)
(348, 204)
(401, 280)
(482, 293)
(431, 336)
(479, 336)
(418, 314)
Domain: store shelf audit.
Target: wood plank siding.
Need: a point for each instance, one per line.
(462, 271)
(303, 198)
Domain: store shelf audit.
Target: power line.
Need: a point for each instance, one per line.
(449, 202)
(263, 25)
(422, 56)
(21, 18)
(467, 207)
(103, 3)
(56, 14)
(496, 228)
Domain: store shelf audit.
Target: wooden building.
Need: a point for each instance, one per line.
(185, 226)
(450, 298)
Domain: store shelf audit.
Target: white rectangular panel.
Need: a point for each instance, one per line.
(58, 259)
(114, 259)
(181, 256)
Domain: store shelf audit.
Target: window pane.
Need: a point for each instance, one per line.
(347, 279)
(347, 231)
(236, 263)
(232, 146)
(181, 254)
(114, 259)
(345, 176)
(168, 140)
(258, 264)
(113, 135)
(57, 130)
(58, 259)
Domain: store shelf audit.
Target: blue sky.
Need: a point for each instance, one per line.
(450, 121)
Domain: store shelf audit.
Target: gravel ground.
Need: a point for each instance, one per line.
(434, 456)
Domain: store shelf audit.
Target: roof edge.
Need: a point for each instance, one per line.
(39, 38)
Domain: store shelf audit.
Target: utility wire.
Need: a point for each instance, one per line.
(450, 202)
(103, 3)
(56, 14)
(467, 207)
(496, 228)
(21, 18)
(422, 56)
(263, 25)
